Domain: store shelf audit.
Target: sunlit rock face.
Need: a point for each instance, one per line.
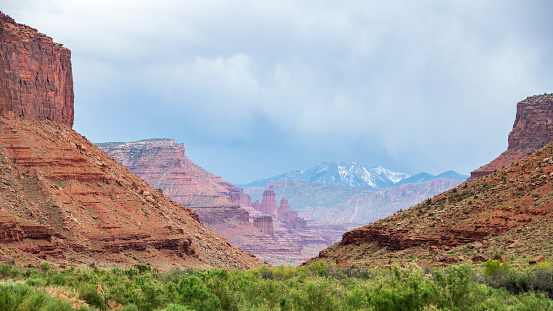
(36, 81)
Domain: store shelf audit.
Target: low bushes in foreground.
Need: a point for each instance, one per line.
(315, 287)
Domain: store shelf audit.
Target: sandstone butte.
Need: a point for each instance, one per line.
(36, 78)
(532, 130)
(507, 214)
(224, 208)
(65, 201)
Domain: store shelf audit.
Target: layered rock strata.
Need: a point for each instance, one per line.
(164, 165)
(65, 201)
(532, 130)
(36, 80)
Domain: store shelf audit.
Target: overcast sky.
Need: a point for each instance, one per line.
(258, 88)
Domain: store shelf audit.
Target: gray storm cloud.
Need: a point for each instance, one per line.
(412, 86)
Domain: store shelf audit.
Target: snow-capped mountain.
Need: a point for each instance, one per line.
(348, 175)
(354, 175)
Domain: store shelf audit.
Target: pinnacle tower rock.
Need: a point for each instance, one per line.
(36, 79)
(284, 206)
(532, 130)
(268, 203)
(285, 213)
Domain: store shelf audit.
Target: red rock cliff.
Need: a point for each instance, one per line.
(532, 130)
(35, 74)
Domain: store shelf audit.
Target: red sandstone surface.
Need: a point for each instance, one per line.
(36, 81)
(532, 130)
(65, 201)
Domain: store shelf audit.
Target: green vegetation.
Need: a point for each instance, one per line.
(493, 286)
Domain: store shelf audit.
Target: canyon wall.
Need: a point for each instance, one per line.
(532, 130)
(164, 165)
(36, 80)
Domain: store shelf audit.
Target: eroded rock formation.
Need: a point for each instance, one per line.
(164, 165)
(36, 81)
(268, 203)
(289, 216)
(532, 130)
(264, 224)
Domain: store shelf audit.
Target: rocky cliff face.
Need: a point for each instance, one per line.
(36, 81)
(264, 224)
(532, 130)
(164, 165)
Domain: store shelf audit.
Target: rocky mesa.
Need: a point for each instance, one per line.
(532, 130)
(64, 200)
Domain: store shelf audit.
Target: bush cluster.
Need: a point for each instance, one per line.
(314, 287)
(537, 278)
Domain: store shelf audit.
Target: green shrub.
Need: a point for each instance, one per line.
(92, 297)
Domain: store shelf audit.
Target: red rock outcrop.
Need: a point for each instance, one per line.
(532, 130)
(164, 165)
(268, 203)
(264, 224)
(289, 216)
(36, 81)
(245, 199)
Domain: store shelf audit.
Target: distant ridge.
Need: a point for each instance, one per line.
(354, 175)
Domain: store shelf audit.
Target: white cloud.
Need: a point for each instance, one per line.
(427, 78)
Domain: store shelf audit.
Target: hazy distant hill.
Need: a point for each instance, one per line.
(354, 175)
(328, 202)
